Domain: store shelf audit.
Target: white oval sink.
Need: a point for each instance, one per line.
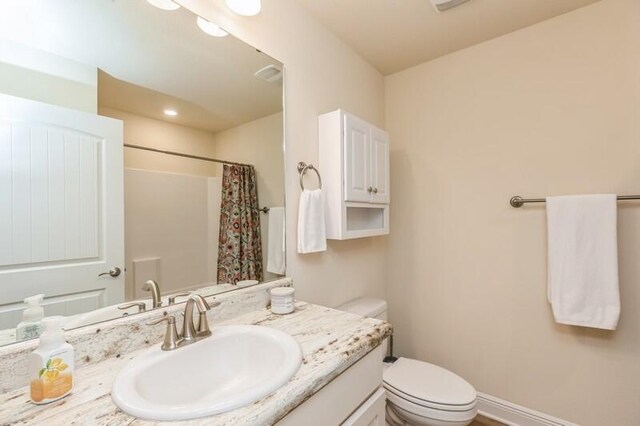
(234, 367)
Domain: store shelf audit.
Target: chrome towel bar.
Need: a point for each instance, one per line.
(518, 201)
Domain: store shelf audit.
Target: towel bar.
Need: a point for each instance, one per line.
(517, 201)
(302, 169)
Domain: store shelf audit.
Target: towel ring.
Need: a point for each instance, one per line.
(302, 169)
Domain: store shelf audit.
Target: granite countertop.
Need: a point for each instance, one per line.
(331, 342)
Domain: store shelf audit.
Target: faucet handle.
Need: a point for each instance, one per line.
(141, 306)
(171, 335)
(173, 297)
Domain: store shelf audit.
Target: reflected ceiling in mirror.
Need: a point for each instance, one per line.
(141, 160)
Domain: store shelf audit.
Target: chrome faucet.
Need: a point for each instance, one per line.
(190, 332)
(154, 288)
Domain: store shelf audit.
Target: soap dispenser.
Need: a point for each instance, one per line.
(51, 365)
(31, 325)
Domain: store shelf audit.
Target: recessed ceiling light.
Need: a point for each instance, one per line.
(170, 112)
(211, 28)
(245, 7)
(165, 4)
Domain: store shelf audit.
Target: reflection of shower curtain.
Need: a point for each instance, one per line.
(240, 246)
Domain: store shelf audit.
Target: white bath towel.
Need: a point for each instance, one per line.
(312, 235)
(583, 260)
(276, 247)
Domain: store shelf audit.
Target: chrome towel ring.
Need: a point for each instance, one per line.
(302, 169)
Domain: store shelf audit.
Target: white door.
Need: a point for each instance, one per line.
(61, 209)
(379, 166)
(356, 159)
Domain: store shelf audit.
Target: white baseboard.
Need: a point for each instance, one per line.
(515, 415)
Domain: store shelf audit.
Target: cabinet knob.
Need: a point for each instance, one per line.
(375, 190)
(370, 189)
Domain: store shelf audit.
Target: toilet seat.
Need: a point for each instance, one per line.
(427, 390)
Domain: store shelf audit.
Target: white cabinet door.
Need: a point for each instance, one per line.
(371, 412)
(61, 208)
(379, 166)
(356, 159)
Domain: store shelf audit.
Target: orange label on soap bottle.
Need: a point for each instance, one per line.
(53, 382)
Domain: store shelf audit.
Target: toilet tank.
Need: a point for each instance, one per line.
(370, 308)
(366, 307)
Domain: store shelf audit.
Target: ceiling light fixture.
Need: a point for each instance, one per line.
(164, 4)
(211, 28)
(170, 112)
(245, 7)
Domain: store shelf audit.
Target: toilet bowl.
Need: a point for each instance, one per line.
(419, 393)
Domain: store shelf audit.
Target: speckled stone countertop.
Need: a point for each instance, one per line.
(331, 342)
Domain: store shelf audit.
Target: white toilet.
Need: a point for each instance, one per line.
(419, 393)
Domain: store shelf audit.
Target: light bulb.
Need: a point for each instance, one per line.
(170, 112)
(210, 28)
(245, 7)
(164, 4)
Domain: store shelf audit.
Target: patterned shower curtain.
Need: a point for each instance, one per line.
(240, 245)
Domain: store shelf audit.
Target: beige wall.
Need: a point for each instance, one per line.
(158, 134)
(551, 109)
(41, 76)
(51, 89)
(321, 74)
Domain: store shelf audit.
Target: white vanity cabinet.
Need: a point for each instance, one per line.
(354, 398)
(354, 161)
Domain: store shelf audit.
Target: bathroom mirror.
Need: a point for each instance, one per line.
(141, 159)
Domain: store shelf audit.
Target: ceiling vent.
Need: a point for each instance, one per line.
(270, 73)
(442, 5)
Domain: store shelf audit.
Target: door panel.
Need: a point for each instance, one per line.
(379, 166)
(61, 206)
(53, 210)
(356, 159)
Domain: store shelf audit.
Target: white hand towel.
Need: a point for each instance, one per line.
(583, 260)
(275, 253)
(312, 235)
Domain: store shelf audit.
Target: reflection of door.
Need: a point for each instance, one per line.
(61, 208)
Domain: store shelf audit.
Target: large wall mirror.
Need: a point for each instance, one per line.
(141, 159)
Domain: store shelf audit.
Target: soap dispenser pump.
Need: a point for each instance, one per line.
(31, 325)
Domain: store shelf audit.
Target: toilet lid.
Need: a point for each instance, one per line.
(429, 383)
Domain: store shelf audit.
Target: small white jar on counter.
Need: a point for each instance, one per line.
(282, 300)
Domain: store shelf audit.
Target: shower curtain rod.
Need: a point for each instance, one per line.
(179, 154)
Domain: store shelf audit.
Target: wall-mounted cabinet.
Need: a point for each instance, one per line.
(354, 160)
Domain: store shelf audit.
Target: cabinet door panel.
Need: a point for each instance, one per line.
(379, 166)
(371, 412)
(356, 160)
